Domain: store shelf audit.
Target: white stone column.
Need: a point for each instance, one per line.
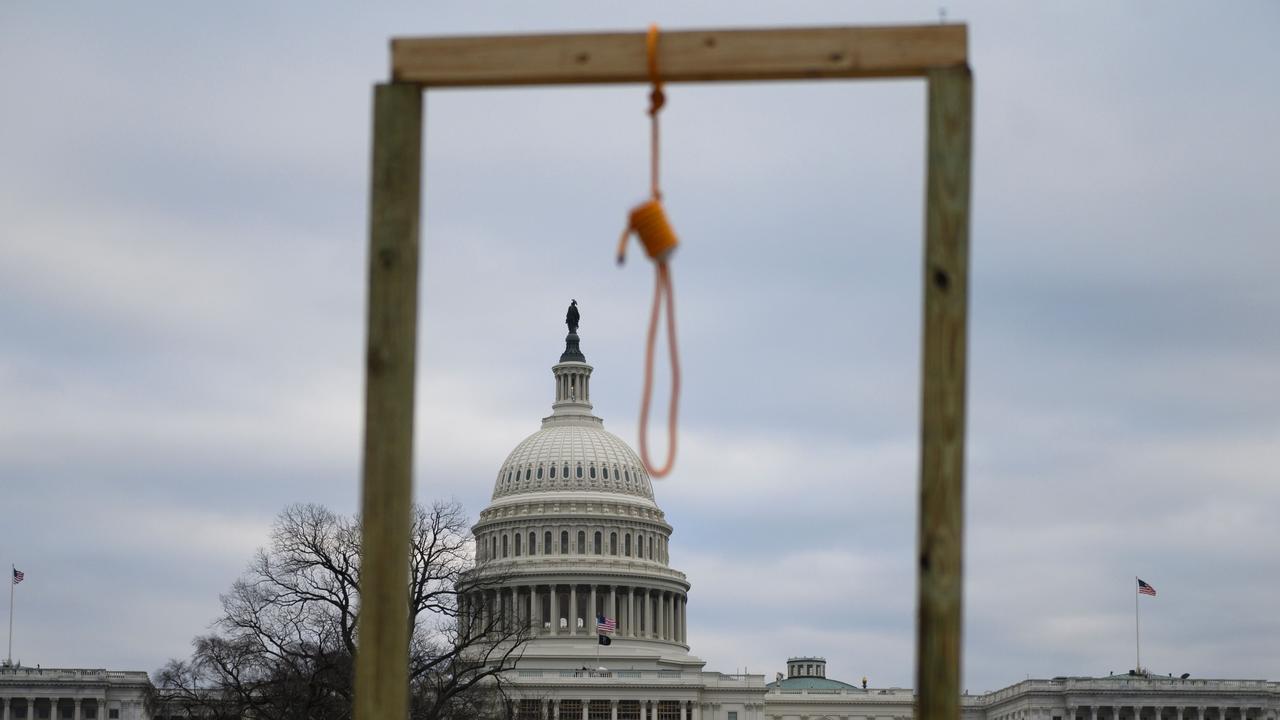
(77, 712)
(591, 613)
(684, 711)
(573, 609)
(1093, 712)
(644, 611)
(585, 704)
(613, 710)
(613, 610)
(555, 611)
(6, 702)
(631, 611)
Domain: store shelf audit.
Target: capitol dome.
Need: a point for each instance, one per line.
(572, 458)
(573, 534)
(572, 452)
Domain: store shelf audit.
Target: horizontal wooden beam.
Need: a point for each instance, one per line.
(684, 56)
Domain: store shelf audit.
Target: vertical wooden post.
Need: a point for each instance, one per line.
(942, 416)
(382, 656)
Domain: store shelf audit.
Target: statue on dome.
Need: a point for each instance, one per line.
(571, 318)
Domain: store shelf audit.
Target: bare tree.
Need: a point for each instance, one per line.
(283, 648)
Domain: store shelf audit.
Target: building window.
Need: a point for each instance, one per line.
(626, 475)
(553, 472)
(668, 710)
(504, 546)
(605, 471)
(566, 472)
(582, 543)
(570, 709)
(613, 543)
(592, 473)
(598, 543)
(733, 715)
(547, 549)
(650, 547)
(626, 545)
(517, 545)
(529, 710)
(579, 472)
(598, 710)
(539, 472)
(113, 714)
(628, 710)
(533, 543)
(527, 472)
(564, 542)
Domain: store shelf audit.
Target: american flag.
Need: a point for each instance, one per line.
(606, 624)
(18, 576)
(1145, 589)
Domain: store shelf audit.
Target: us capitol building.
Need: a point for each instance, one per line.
(574, 531)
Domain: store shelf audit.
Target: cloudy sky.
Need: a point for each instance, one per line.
(183, 198)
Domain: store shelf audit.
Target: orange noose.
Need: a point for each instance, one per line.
(649, 222)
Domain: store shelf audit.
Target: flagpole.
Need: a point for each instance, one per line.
(13, 572)
(1137, 625)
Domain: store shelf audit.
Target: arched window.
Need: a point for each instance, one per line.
(613, 543)
(553, 472)
(651, 547)
(598, 543)
(605, 471)
(527, 473)
(564, 542)
(504, 546)
(582, 543)
(517, 544)
(626, 545)
(533, 543)
(566, 471)
(546, 543)
(508, 476)
(579, 472)
(592, 473)
(539, 472)
(626, 474)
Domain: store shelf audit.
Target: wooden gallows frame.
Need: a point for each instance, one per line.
(936, 53)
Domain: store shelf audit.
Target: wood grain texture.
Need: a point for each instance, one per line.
(942, 432)
(683, 56)
(382, 656)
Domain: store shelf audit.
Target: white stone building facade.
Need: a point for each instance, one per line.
(72, 694)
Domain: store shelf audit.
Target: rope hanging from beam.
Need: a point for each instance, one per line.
(650, 224)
